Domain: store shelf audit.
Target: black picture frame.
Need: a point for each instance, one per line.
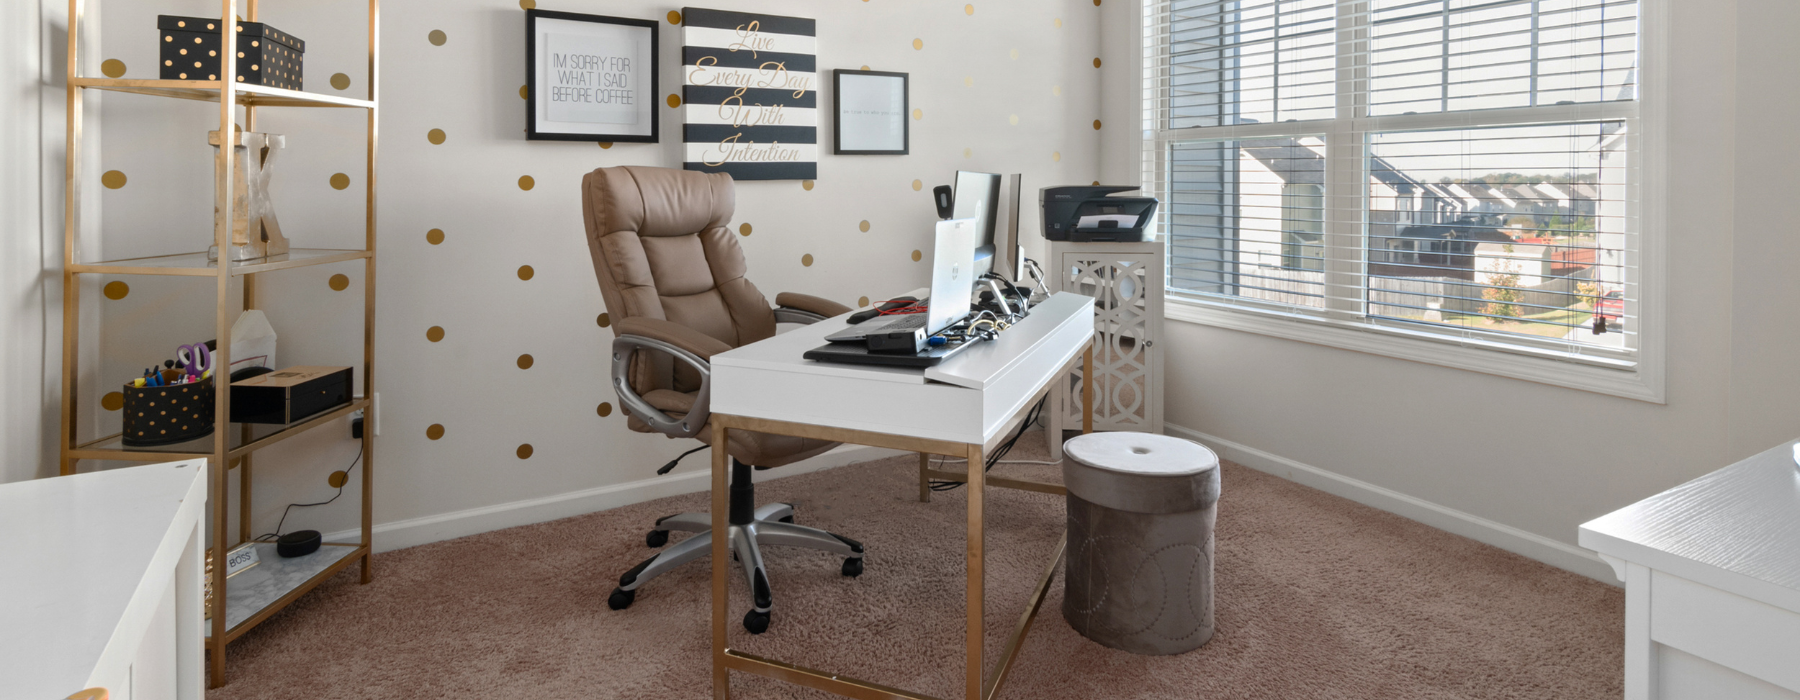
(534, 130)
(837, 113)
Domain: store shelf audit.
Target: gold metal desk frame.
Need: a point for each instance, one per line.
(978, 685)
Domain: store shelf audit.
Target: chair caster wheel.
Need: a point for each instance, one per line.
(853, 567)
(656, 538)
(620, 599)
(756, 622)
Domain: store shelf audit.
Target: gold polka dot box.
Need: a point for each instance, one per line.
(165, 415)
(265, 55)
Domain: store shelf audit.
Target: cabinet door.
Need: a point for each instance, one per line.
(1126, 282)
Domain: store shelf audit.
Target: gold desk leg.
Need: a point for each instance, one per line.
(1087, 389)
(924, 478)
(977, 573)
(721, 594)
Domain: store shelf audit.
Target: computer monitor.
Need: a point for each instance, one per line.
(978, 197)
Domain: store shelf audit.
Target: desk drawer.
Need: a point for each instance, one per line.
(1741, 634)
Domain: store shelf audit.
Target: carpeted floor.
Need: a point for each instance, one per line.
(1318, 597)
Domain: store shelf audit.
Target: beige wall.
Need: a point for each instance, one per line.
(1545, 459)
(976, 71)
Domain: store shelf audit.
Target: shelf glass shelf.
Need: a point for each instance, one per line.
(112, 446)
(255, 593)
(196, 264)
(208, 91)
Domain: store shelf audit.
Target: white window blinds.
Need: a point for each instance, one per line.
(1461, 169)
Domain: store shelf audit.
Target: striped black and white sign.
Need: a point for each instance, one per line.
(749, 89)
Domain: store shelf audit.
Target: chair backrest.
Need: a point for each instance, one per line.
(662, 250)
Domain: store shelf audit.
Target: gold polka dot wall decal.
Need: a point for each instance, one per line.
(968, 9)
(674, 100)
(525, 361)
(524, 451)
(340, 81)
(434, 236)
(968, 153)
(604, 320)
(806, 185)
(1096, 3)
(968, 81)
(1096, 183)
(862, 302)
(604, 409)
(1012, 119)
(1059, 23)
(674, 17)
(1056, 90)
(865, 67)
(337, 479)
(524, 92)
(526, 183)
(605, 145)
(116, 290)
(112, 68)
(435, 136)
(806, 260)
(437, 37)
(918, 44)
(744, 229)
(917, 256)
(864, 226)
(918, 185)
(113, 401)
(434, 432)
(340, 181)
(1056, 155)
(1096, 125)
(1096, 61)
(112, 179)
(338, 283)
(434, 333)
(527, 4)
(526, 273)
(918, 114)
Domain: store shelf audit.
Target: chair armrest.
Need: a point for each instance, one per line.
(805, 308)
(684, 344)
(700, 344)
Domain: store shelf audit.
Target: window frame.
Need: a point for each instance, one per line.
(1342, 324)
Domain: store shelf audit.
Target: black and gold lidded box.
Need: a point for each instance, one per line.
(265, 55)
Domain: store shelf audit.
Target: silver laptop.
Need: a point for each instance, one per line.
(952, 283)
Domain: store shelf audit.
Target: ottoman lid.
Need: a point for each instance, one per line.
(1141, 472)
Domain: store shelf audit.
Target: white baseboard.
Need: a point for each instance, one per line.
(1559, 554)
(401, 534)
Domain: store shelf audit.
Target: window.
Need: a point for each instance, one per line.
(1457, 171)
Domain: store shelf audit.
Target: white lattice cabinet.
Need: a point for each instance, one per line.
(1126, 282)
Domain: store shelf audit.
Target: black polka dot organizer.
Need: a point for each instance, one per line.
(266, 56)
(165, 415)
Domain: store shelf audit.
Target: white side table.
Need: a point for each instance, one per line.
(100, 583)
(1712, 583)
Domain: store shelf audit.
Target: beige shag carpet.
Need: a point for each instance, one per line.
(1318, 597)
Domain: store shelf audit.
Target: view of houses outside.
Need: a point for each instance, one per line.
(1517, 229)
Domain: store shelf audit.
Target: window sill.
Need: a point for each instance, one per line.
(1639, 381)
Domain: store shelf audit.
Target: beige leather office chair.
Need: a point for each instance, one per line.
(673, 278)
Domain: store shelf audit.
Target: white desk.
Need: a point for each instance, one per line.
(956, 409)
(100, 583)
(1712, 583)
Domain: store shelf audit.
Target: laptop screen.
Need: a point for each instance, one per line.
(952, 273)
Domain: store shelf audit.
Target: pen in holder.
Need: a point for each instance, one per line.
(165, 415)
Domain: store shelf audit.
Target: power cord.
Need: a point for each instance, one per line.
(291, 506)
(1031, 417)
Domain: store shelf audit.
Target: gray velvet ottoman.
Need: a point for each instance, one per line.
(1140, 563)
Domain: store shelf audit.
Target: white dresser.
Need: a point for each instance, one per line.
(1712, 583)
(100, 584)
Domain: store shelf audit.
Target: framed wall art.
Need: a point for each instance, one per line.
(749, 95)
(871, 109)
(590, 78)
